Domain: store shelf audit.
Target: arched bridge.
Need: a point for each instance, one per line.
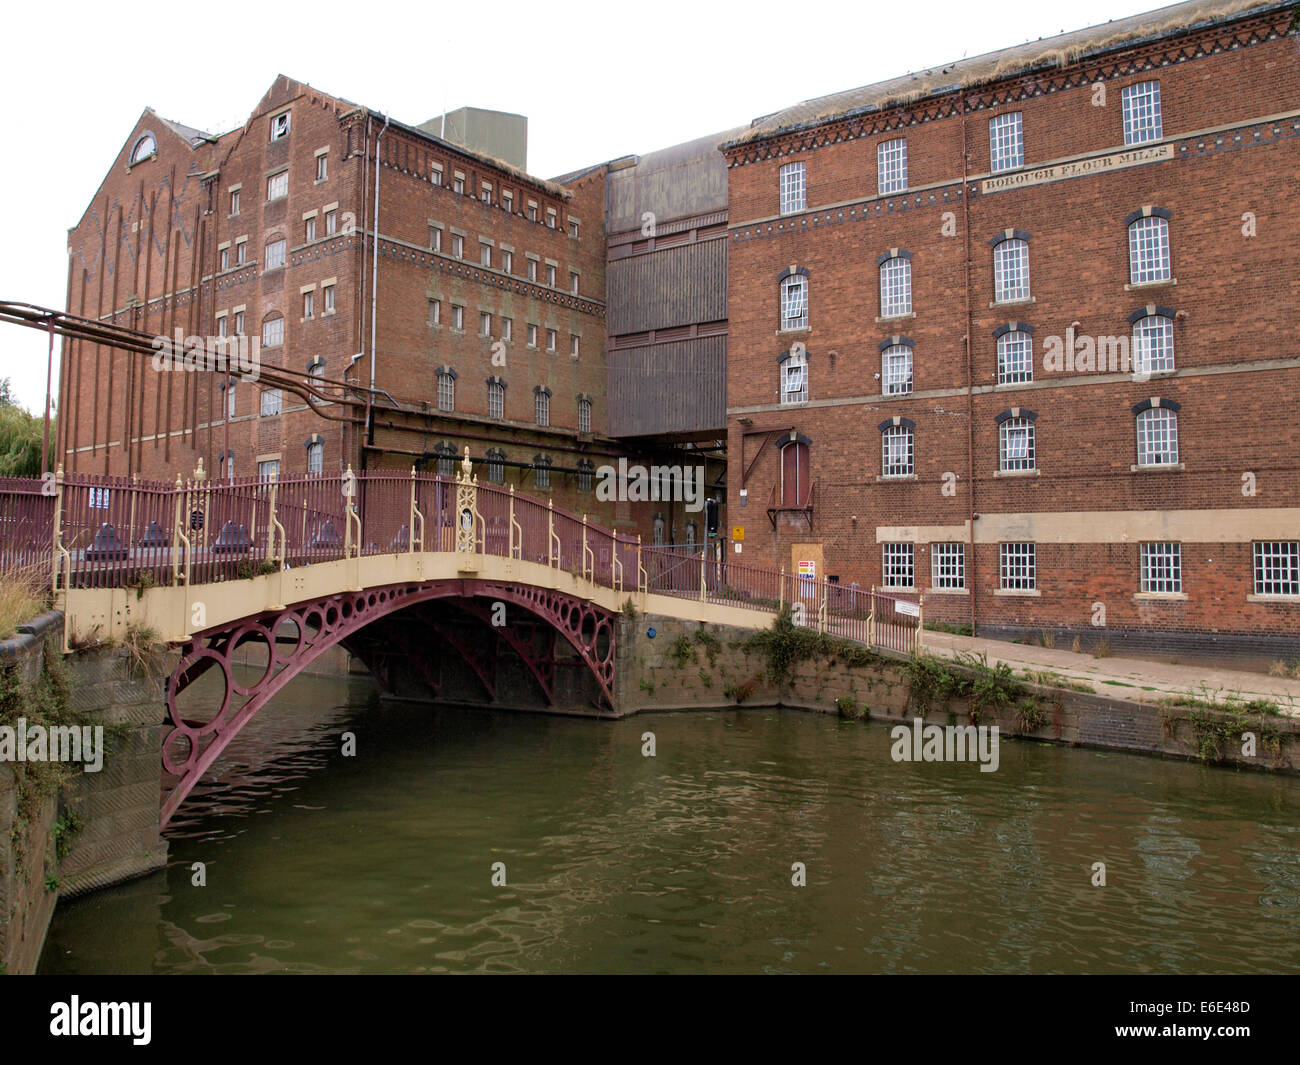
(442, 586)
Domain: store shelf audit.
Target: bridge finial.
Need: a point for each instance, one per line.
(198, 470)
(466, 467)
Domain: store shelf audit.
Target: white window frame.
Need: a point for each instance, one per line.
(1276, 567)
(1016, 446)
(1152, 346)
(275, 255)
(948, 566)
(895, 287)
(271, 403)
(496, 399)
(542, 409)
(1157, 437)
(794, 302)
(446, 392)
(1143, 118)
(898, 566)
(794, 379)
(1018, 567)
(280, 125)
(1149, 259)
(1015, 357)
(584, 415)
(277, 186)
(273, 332)
(897, 451)
(792, 182)
(1161, 567)
(1006, 141)
(316, 452)
(1011, 270)
(268, 470)
(891, 166)
(896, 366)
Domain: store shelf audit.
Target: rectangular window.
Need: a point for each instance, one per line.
(1016, 567)
(508, 262)
(896, 452)
(277, 186)
(435, 312)
(331, 223)
(458, 184)
(485, 255)
(1148, 251)
(573, 229)
(532, 211)
(322, 167)
(794, 380)
(1277, 567)
(273, 333)
(279, 126)
(230, 399)
(793, 197)
(794, 302)
(573, 282)
(241, 252)
(891, 166)
(270, 402)
(573, 345)
(435, 238)
(1015, 358)
(532, 269)
(234, 201)
(1006, 142)
(239, 323)
(224, 259)
(458, 246)
(1142, 118)
(310, 230)
(532, 335)
(1162, 567)
(948, 566)
(485, 193)
(550, 275)
(308, 304)
(316, 452)
(1157, 437)
(507, 201)
(221, 324)
(1016, 445)
(544, 473)
(550, 217)
(507, 328)
(328, 293)
(550, 339)
(897, 570)
(269, 470)
(457, 317)
(435, 175)
(274, 255)
(484, 324)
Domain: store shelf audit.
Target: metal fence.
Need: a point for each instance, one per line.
(100, 532)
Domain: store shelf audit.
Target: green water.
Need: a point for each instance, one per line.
(682, 862)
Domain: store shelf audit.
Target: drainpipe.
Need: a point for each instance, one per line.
(970, 380)
(374, 286)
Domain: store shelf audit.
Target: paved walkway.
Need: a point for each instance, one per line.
(1129, 678)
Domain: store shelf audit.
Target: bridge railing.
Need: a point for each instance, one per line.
(120, 532)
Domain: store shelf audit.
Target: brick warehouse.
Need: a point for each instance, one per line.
(1128, 190)
(1076, 192)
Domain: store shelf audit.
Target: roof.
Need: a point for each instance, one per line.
(195, 137)
(1055, 51)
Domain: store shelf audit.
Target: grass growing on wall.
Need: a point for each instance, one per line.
(24, 595)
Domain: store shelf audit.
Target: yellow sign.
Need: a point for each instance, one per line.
(738, 533)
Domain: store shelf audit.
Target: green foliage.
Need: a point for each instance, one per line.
(65, 831)
(21, 436)
(706, 679)
(681, 651)
(786, 644)
(944, 626)
(51, 883)
(934, 683)
(629, 609)
(711, 644)
(850, 708)
(647, 685)
(742, 691)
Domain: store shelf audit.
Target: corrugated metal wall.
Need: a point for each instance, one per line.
(675, 387)
(672, 287)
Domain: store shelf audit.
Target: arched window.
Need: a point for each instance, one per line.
(273, 332)
(896, 448)
(1016, 440)
(794, 299)
(1148, 246)
(1157, 432)
(496, 397)
(1153, 340)
(794, 375)
(146, 147)
(446, 389)
(895, 283)
(496, 465)
(896, 366)
(446, 459)
(584, 414)
(796, 487)
(315, 457)
(586, 470)
(542, 405)
(1011, 267)
(1015, 353)
(316, 368)
(542, 464)
(891, 166)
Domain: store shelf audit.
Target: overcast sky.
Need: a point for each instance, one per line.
(596, 80)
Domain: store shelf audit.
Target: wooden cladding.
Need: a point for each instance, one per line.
(675, 387)
(666, 288)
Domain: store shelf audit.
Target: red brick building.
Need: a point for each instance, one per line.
(934, 285)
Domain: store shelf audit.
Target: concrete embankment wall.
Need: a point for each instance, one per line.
(98, 828)
(675, 670)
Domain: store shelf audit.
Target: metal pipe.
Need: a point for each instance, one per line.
(971, 571)
(374, 277)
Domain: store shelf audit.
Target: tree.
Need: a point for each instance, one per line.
(21, 434)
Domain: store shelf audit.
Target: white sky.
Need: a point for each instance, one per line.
(596, 79)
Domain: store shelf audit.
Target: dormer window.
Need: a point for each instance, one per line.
(280, 126)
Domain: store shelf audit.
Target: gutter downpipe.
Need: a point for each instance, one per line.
(374, 287)
(970, 379)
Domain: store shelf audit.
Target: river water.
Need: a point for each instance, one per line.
(683, 862)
